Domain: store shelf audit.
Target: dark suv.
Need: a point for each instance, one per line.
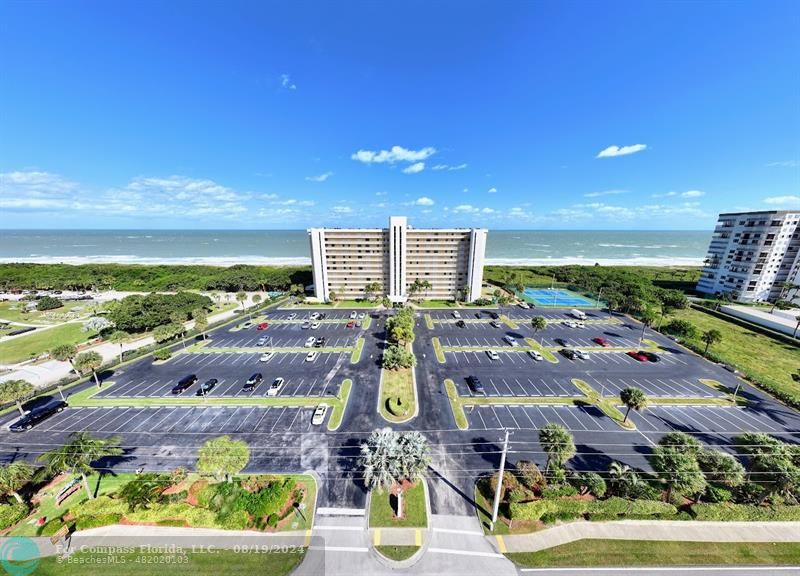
(184, 383)
(36, 415)
(475, 385)
(252, 382)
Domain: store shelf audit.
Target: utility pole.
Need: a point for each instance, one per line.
(499, 483)
(736, 392)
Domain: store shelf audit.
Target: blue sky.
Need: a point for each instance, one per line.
(600, 115)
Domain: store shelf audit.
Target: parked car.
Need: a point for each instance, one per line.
(495, 324)
(456, 314)
(361, 316)
(321, 316)
(494, 315)
(184, 383)
(37, 415)
(311, 356)
(309, 342)
(319, 342)
(305, 325)
(579, 314)
(206, 387)
(291, 316)
(493, 355)
(523, 305)
(247, 324)
(262, 326)
(266, 356)
(582, 355)
(315, 325)
(319, 414)
(475, 385)
(568, 352)
(461, 324)
(358, 323)
(511, 340)
(314, 316)
(275, 387)
(561, 341)
(637, 355)
(600, 341)
(580, 325)
(652, 357)
(353, 315)
(252, 382)
(535, 355)
(350, 324)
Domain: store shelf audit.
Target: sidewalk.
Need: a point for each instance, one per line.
(674, 530)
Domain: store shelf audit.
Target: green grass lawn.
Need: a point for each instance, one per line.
(98, 484)
(767, 359)
(13, 312)
(355, 355)
(588, 553)
(381, 513)
(397, 553)
(397, 384)
(225, 562)
(335, 419)
(36, 343)
(455, 404)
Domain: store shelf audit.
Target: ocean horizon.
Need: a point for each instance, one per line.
(290, 247)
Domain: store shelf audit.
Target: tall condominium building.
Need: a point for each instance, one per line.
(346, 260)
(752, 255)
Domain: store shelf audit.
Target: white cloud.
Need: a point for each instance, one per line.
(424, 201)
(467, 208)
(286, 82)
(450, 167)
(492, 190)
(321, 178)
(785, 164)
(381, 193)
(36, 190)
(613, 151)
(488, 211)
(293, 202)
(342, 209)
(687, 194)
(394, 155)
(605, 193)
(414, 168)
(783, 200)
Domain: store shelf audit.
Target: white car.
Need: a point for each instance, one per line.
(266, 357)
(582, 355)
(570, 324)
(353, 315)
(315, 325)
(311, 356)
(456, 314)
(511, 340)
(291, 316)
(309, 342)
(579, 325)
(535, 355)
(319, 414)
(523, 305)
(275, 387)
(361, 316)
(493, 355)
(314, 316)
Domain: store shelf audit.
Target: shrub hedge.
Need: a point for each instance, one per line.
(744, 512)
(563, 509)
(86, 522)
(12, 513)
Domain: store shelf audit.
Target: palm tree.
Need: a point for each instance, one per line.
(78, 455)
(241, 297)
(119, 337)
(786, 288)
(633, 398)
(648, 317)
(538, 323)
(13, 477)
(89, 362)
(256, 299)
(557, 443)
(710, 337)
(65, 353)
(16, 391)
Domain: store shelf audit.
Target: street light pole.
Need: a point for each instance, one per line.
(499, 489)
(599, 295)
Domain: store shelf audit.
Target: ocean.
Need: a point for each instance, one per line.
(228, 247)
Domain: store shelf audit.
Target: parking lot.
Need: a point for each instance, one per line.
(289, 335)
(182, 420)
(584, 418)
(146, 380)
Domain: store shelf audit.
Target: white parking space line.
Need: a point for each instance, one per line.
(149, 416)
(155, 427)
(741, 413)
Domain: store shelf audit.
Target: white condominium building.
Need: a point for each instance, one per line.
(752, 255)
(347, 260)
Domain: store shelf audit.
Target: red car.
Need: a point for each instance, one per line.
(262, 326)
(350, 324)
(601, 341)
(638, 355)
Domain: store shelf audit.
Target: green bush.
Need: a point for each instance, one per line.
(162, 354)
(50, 528)
(744, 512)
(394, 406)
(193, 516)
(174, 522)
(48, 303)
(272, 520)
(10, 514)
(269, 500)
(236, 520)
(559, 491)
(612, 508)
(99, 506)
(86, 522)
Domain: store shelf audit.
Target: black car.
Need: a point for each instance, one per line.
(461, 324)
(322, 316)
(184, 383)
(37, 415)
(252, 382)
(569, 353)
(206, 387)
(477, 314)
(319, 342)
(495, 315)
(652, 357)
(475, 385)
(561, 341)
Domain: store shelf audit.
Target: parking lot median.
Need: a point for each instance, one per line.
(437, 348)
(355, 356)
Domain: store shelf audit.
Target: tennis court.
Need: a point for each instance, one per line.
(557, 298)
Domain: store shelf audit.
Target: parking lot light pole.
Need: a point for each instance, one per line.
(599, 295)
(499, 489)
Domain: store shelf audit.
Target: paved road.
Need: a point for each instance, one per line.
(671, 571)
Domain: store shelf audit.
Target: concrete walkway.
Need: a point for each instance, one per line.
(674, 530)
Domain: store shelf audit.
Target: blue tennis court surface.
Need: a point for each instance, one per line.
(557, 298)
